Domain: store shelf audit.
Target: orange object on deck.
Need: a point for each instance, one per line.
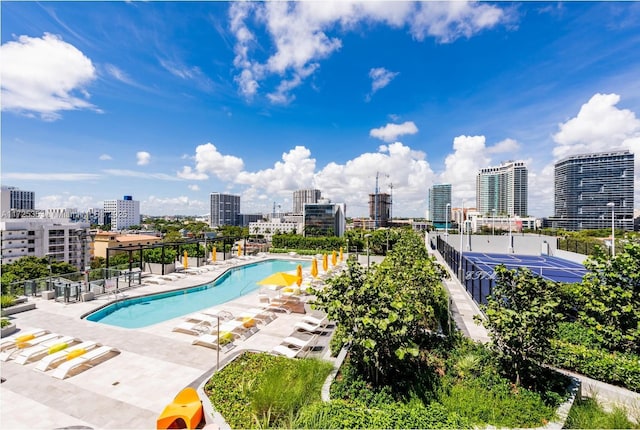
(185, 410)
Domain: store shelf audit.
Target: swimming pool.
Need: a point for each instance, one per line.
(147, 310)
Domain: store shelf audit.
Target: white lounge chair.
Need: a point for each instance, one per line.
(53, 360)
(10, 342)
(260, 314)
(44, 348)
(86, 360)
(211, 341)
(22, 343)
(322, 321)
(195, 328)
(293, 347)
(309, 328)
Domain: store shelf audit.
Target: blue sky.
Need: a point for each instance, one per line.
(170, 101)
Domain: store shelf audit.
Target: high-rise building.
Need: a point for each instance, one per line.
(224, 209)
(589, 188)
(439, 198)
(122, 214)
(16, 203)
(324, 219)
(380, 209)
(503, 189)
(300, 197)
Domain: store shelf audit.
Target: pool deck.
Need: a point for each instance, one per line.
(131, 389)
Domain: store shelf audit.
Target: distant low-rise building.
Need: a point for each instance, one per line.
(268, 228)
(109, 239)
(324, 219)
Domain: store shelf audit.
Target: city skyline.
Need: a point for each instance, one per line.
(170, 102)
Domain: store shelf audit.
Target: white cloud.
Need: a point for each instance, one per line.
(301, 36)
(391, 132)
(599, 126)
(66, 200)
(71, 177)
(181, 205)
(188, 173)
(461, 167)
(194, 187)
(119, 74)
(143, 175)
(380, 78)
(105, 157)
(143, 158)
(44, 76)
(210, 161)
(504, 146)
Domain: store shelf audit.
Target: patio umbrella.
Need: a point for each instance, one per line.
(325, 262)
(279, 279)
(239, 250)
(299, 275)
(185, 260)
(314, 267)
(334, 258)
(341, 256)
(214, 254)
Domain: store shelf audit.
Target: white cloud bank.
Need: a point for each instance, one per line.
(44, 76)
(301, 34)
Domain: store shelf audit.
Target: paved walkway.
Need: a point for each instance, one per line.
(131, 389)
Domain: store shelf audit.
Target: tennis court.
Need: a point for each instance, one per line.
(479, 278)
(549, 267)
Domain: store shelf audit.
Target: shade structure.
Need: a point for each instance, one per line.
(214, 254)
(239, 250)
(314, 267)
(185, 260)
(341, 256)
(325, 262)
(334, 258)
(279, 279)
(299, 275)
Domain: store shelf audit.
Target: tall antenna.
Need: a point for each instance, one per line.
(391, 201)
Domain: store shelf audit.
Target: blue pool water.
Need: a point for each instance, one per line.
(143, 311)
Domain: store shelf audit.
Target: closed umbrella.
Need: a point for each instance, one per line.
(185, 260)
(334, 258)
(214, 254)
(325, 262)
(341, 256)
(299, 275)
(314, 267)
(239, 250)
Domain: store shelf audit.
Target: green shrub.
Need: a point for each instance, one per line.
(588, 414)
(265, 390)
(4, 322)
(7, 300)
(612, 367)
(342, 414)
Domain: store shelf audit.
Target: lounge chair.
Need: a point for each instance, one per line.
(53, 360)
(309, 328)
(293, 347)
(194, 328)
(22, 336)
(185, 407)
(85, 360)
(45, 348)
(211, 341)
(315, 320)
(260, 314)
(25, 342)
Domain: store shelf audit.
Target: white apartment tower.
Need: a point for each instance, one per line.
(503, 190)
(16, 203)
(225, 209)
(300, 197)
(122, 214)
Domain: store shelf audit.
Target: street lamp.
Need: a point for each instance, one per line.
(225, 315)
(510, 247)
(493, 222)
(461, 230)
(446, 222)
(613, 229)
(367, 236)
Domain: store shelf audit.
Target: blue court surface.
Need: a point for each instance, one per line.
(553, 268)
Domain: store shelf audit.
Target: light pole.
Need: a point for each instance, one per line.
(613, 229)
(446, 222)
(367, 236)
(493, 222)
(510, 247)
(226, 315)
(461, 230)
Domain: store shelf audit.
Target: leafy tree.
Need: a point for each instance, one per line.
(610, 294)
(172, 236)
(389, 312)
(522, 316)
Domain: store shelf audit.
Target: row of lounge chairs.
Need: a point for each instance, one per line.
(305, 337)
(64, 355)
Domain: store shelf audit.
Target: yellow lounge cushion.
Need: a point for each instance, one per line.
(58, 347)
(76, 353)
(25, 338)
(225, 337)
(248, 322)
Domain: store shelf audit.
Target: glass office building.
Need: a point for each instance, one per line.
(503, 190)
(439, 198)
(585, 185)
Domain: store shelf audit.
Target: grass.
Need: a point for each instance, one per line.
(587, 413)
(7, 300)
(259, 390)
